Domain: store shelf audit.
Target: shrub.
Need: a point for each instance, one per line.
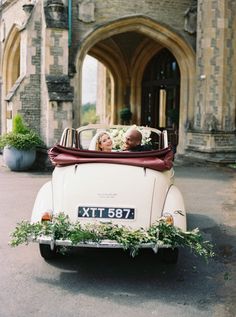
(21, 137)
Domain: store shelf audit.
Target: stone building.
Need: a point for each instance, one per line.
(171, 62)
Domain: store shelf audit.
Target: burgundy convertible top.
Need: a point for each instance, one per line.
(159, 160)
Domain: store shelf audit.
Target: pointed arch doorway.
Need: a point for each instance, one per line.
(128, 69)
(161, 94)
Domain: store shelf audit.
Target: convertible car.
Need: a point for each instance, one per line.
(122, 188)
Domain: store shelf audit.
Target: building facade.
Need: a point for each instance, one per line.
(171, 62)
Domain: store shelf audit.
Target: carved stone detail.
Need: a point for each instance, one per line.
(55, 14)
(190, 19)
(86, 9)
(59, 88)
(2, 31)
(210, 122)
(56, 10)
(28, 7)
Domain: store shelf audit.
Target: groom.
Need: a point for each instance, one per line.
(133, 140)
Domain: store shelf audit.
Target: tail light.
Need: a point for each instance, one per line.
(47, 216)
(168, 218)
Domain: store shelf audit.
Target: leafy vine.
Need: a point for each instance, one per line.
(159, 234)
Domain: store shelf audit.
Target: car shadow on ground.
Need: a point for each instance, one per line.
(115, 275)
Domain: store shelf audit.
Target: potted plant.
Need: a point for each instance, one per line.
(19, 145)
(125, 115)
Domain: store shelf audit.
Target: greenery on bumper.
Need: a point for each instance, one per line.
(160, 233)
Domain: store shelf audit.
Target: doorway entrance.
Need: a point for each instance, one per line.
(161, 94)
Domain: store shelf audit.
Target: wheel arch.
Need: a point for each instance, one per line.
(174, 205)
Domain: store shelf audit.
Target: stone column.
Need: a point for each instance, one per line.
(213, 132)
(58, 106)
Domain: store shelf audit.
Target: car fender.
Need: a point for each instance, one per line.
(43, 202)
(174, 205)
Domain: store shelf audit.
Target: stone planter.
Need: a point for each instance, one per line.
(18, 160)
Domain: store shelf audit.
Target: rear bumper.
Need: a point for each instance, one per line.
(90, 244)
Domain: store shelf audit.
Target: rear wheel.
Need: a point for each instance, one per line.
(46, 252)
(168, 255)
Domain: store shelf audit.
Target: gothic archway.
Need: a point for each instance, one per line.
(158, 37)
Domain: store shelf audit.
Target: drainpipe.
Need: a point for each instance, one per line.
(69, 21)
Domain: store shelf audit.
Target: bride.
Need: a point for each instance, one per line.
(101, 142)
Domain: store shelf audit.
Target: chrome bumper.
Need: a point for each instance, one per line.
(101, 244)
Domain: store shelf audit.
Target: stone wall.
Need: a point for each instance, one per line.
(57, 106)
(218, 146)
(30, 92)
(215, 111)
(14, 15)
(24, 96)
(43, 92)
(216, 47)
(170, 13)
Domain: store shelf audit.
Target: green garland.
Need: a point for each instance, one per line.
(160, 233)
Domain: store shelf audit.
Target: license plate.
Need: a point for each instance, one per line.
(106, 212)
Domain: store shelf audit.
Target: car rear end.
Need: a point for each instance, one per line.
(108, 192)
(124, 189)
(103, 193)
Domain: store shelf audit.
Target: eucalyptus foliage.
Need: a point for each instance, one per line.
(160, 233)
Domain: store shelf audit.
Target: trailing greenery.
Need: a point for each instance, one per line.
(21, 137)
(160, 233)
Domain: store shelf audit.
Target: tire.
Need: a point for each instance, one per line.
(168, 255)
(46, 252)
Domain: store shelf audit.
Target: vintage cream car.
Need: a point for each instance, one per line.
(131, 189)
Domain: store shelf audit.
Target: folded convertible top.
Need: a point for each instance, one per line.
(159, 160)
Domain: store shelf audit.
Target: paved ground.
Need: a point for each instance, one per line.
(96, 284)
(210, 196)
